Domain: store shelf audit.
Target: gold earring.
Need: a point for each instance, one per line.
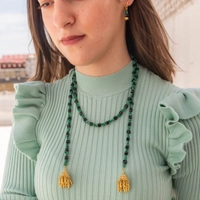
(126, 12)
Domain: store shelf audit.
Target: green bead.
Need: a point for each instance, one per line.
(119, 115)
(65, 163)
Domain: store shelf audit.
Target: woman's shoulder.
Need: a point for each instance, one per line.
(30, 100)
(31, 92)
(60, 83)
(179, 111)
(165, 90)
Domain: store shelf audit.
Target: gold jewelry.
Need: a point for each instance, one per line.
(126, 12)
(123, 183)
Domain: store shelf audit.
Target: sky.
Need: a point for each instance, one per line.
(14, 33)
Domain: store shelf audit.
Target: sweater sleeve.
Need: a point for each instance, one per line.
(182, 113)
(187, 179)
(18, 182)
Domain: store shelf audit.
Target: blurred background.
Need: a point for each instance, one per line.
(17, 61)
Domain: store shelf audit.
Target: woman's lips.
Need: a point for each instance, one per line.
(70, 40)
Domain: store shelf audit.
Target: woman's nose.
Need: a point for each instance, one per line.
(62, 14)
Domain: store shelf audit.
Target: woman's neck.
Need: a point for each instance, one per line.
(106, 66)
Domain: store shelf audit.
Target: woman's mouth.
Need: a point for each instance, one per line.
(70, 40)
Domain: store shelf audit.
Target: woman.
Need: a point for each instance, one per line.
(119, 128)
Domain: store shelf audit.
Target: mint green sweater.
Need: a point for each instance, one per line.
(164, 154)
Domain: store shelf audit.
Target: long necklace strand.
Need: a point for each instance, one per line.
(123, 182)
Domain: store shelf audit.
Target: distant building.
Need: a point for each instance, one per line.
(15, 69)
(30, 65)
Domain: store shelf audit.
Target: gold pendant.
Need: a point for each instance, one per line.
(126, 18)
(123, 183)
(64, 179)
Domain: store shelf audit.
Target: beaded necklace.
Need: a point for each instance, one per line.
(123, 181)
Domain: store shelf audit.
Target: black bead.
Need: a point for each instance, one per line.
(115, 117)
(107, 122)
(81, 113)
(67, 134)
(128, 132)
(69, 104)
(129, 98)
(127, 146)
(66, 149)
(120, 112)
(84, 119)
(129, 124)
(78, 107)
(68, 141)
(68, 125)
(91, 123)
(130, 109)
(76, 101)
(126, 106)
(69, 110)
(99, 125)
(126, 153)
(66, 157)
(128, 139)
(70, 96)
(69, 118)
(125, 161)
(130, 117)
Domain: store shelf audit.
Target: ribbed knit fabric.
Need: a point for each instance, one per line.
(164, 119)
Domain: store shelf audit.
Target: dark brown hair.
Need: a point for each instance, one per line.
(146, 39)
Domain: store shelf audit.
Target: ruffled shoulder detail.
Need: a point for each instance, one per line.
(179, 106)
(30, 100)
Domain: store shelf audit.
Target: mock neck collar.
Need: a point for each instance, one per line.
(105, 85)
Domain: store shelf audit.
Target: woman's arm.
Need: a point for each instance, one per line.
(18, 181)
(187, 180)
